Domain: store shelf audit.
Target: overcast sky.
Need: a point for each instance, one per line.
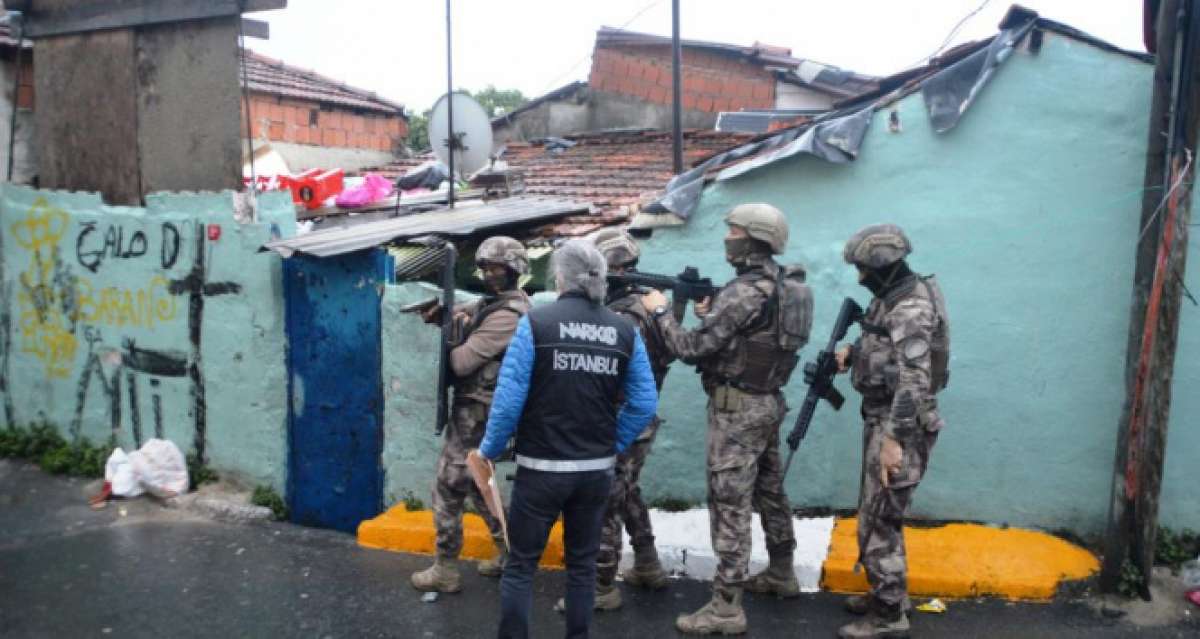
(397, 47)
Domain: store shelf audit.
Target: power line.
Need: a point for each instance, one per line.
(953, 32)
(554, 83)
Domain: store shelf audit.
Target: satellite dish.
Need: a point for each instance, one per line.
(472, 130)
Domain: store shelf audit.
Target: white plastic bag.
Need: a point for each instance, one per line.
(158, 468)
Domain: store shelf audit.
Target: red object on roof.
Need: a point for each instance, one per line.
(267, 75)
(312, 187)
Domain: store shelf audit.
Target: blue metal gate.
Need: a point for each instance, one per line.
(335, 417)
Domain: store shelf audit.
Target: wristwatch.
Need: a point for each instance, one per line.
(659, 311)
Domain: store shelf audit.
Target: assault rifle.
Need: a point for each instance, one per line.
(449, 333)
(688, 285)
(819, 377)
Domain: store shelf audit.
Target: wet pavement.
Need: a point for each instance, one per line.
(137, 569)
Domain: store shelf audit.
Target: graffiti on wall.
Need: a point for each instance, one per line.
(70, 323)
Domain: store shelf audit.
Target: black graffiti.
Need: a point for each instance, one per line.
(5, 343)
(197, 287)
(93, 247)
(131, 362)
(169, 247)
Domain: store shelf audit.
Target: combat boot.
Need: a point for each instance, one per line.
(861, 604)
(494, 567)
(607, 598)
(877, 625)
(647, 571)
(778, 579)
(722, 615)
(442, 576)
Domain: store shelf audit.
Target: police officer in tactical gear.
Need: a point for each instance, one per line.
(745, 349)
(625, 505)
(898, 364)
(577, 381)
(485, 327)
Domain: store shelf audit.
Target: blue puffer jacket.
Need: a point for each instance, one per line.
(508, 404)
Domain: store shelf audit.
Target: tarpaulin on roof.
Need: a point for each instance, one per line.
(951, 91)
(836, 139)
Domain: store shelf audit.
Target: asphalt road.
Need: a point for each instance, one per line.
(137, 569)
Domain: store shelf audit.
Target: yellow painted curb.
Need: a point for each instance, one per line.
(400, 530)
(966, 560)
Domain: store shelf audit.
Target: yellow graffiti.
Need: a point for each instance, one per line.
(46, 331)
(52, 301)
(113, 306)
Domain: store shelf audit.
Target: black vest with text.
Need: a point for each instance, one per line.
(581, 356)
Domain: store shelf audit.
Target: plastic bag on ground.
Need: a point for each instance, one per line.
(374, 187)
(157, 467)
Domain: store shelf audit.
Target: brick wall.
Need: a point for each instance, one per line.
(711, 82)
(300, 122)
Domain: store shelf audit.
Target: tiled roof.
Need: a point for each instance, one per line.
(616, 171)
(273, 76)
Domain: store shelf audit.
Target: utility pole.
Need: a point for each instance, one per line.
(1158, 287)
(451, 141)
(676, 89)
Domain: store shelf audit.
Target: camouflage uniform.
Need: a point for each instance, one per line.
(744, 469)
(898, 364)
(625, 504)
(476, 365)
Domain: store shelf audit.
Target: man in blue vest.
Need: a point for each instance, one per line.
(565, 370)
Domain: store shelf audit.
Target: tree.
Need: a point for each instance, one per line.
(418, 131)
(497, 102)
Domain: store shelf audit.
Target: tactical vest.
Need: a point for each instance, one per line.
(656, 350)
(875, 369)
(581, 357)
(480, 385)
(761, 358)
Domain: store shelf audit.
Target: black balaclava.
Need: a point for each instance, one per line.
(617, 292)
(495, 285)
(880, 281)
(739, 250)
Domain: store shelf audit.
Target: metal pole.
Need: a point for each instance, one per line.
(676, 89)
(450, 141)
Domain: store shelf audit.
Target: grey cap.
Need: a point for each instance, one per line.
(618, 247)
(500, 249)
(877, 246)
(762, 222)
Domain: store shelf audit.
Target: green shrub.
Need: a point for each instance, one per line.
(266, 496)
(1172, 548)
(198, 473)
(43, 445)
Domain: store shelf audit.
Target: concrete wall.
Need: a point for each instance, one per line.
(596, 111)
(301, 157)
(1027, 211)
(122, 321)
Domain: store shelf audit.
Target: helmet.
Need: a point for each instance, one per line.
(618, 247)
(877, 246)
(500, 249)
(762, 222)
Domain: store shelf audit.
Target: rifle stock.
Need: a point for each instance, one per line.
(443, 406)
(819, 377)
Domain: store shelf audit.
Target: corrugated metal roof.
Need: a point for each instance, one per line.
(460, 222)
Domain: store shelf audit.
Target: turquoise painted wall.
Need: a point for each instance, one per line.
(1179, 504)
(1027, 211)
(88, 292)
